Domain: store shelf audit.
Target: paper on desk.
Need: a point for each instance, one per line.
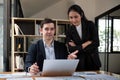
(5, 75)
(94, 76)
(20, 74)
(100, 77)
(59, 78)
(16, 74)
(84, 73)
(19, 79)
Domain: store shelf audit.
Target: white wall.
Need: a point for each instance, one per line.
(104, 5)
(59, 10)
(92, 8)
(114, 62)
(56, 11)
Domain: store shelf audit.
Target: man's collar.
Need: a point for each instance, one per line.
(51, 44)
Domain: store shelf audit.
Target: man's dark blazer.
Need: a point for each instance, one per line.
(89, 59)
(36, 53)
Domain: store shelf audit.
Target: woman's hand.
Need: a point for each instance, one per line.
(72, 55)
(34, 69)
(71, 43)
(84, 45)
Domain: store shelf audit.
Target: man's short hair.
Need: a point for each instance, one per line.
(47, 20)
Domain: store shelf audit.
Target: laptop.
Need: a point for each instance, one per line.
(59, 67)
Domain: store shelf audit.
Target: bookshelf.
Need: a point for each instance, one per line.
(24, 32)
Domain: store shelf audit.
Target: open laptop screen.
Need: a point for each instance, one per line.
(59, 67)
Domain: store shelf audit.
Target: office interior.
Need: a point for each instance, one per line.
(105, 14)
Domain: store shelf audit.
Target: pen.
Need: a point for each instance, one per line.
(38, 71)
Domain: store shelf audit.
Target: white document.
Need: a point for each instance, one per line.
(18, 31)
(16, 27)
(5, 75)
(59, 78)
(61, 67)
(37, 30)
(19, 62)
(84, 73)
(19, 79)
(100, 77)
(20, 74)
(15, 75)
(94, 76)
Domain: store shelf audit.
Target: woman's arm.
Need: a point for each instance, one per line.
(84, 45)
(93, 31)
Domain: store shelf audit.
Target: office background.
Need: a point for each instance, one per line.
(56, 9)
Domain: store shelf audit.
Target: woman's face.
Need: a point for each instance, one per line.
(75, 18)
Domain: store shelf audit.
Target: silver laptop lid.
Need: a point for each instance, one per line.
(59, 67)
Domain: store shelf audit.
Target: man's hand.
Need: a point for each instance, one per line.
(34, 69)
(72, 55)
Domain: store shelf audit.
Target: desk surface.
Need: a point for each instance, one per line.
(98, 72)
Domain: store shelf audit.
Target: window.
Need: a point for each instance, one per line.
(104, 26)
(116, 35)
(106, 37)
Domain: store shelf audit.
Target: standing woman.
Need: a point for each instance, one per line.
(83, 36)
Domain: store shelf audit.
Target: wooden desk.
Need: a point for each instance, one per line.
(99, 72)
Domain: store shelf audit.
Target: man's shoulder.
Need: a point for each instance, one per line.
(37, 42)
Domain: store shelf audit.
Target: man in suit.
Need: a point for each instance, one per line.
(46, 48)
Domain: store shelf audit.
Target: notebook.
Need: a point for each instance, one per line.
(59, 67)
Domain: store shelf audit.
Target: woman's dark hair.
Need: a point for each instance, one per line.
(47, 20)
(79, 10)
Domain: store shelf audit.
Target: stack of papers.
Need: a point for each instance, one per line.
(59, 78)
(94, 76)
(100, 77)
(5, 75)
(84, 73)
(14, 75)
(19, 79)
